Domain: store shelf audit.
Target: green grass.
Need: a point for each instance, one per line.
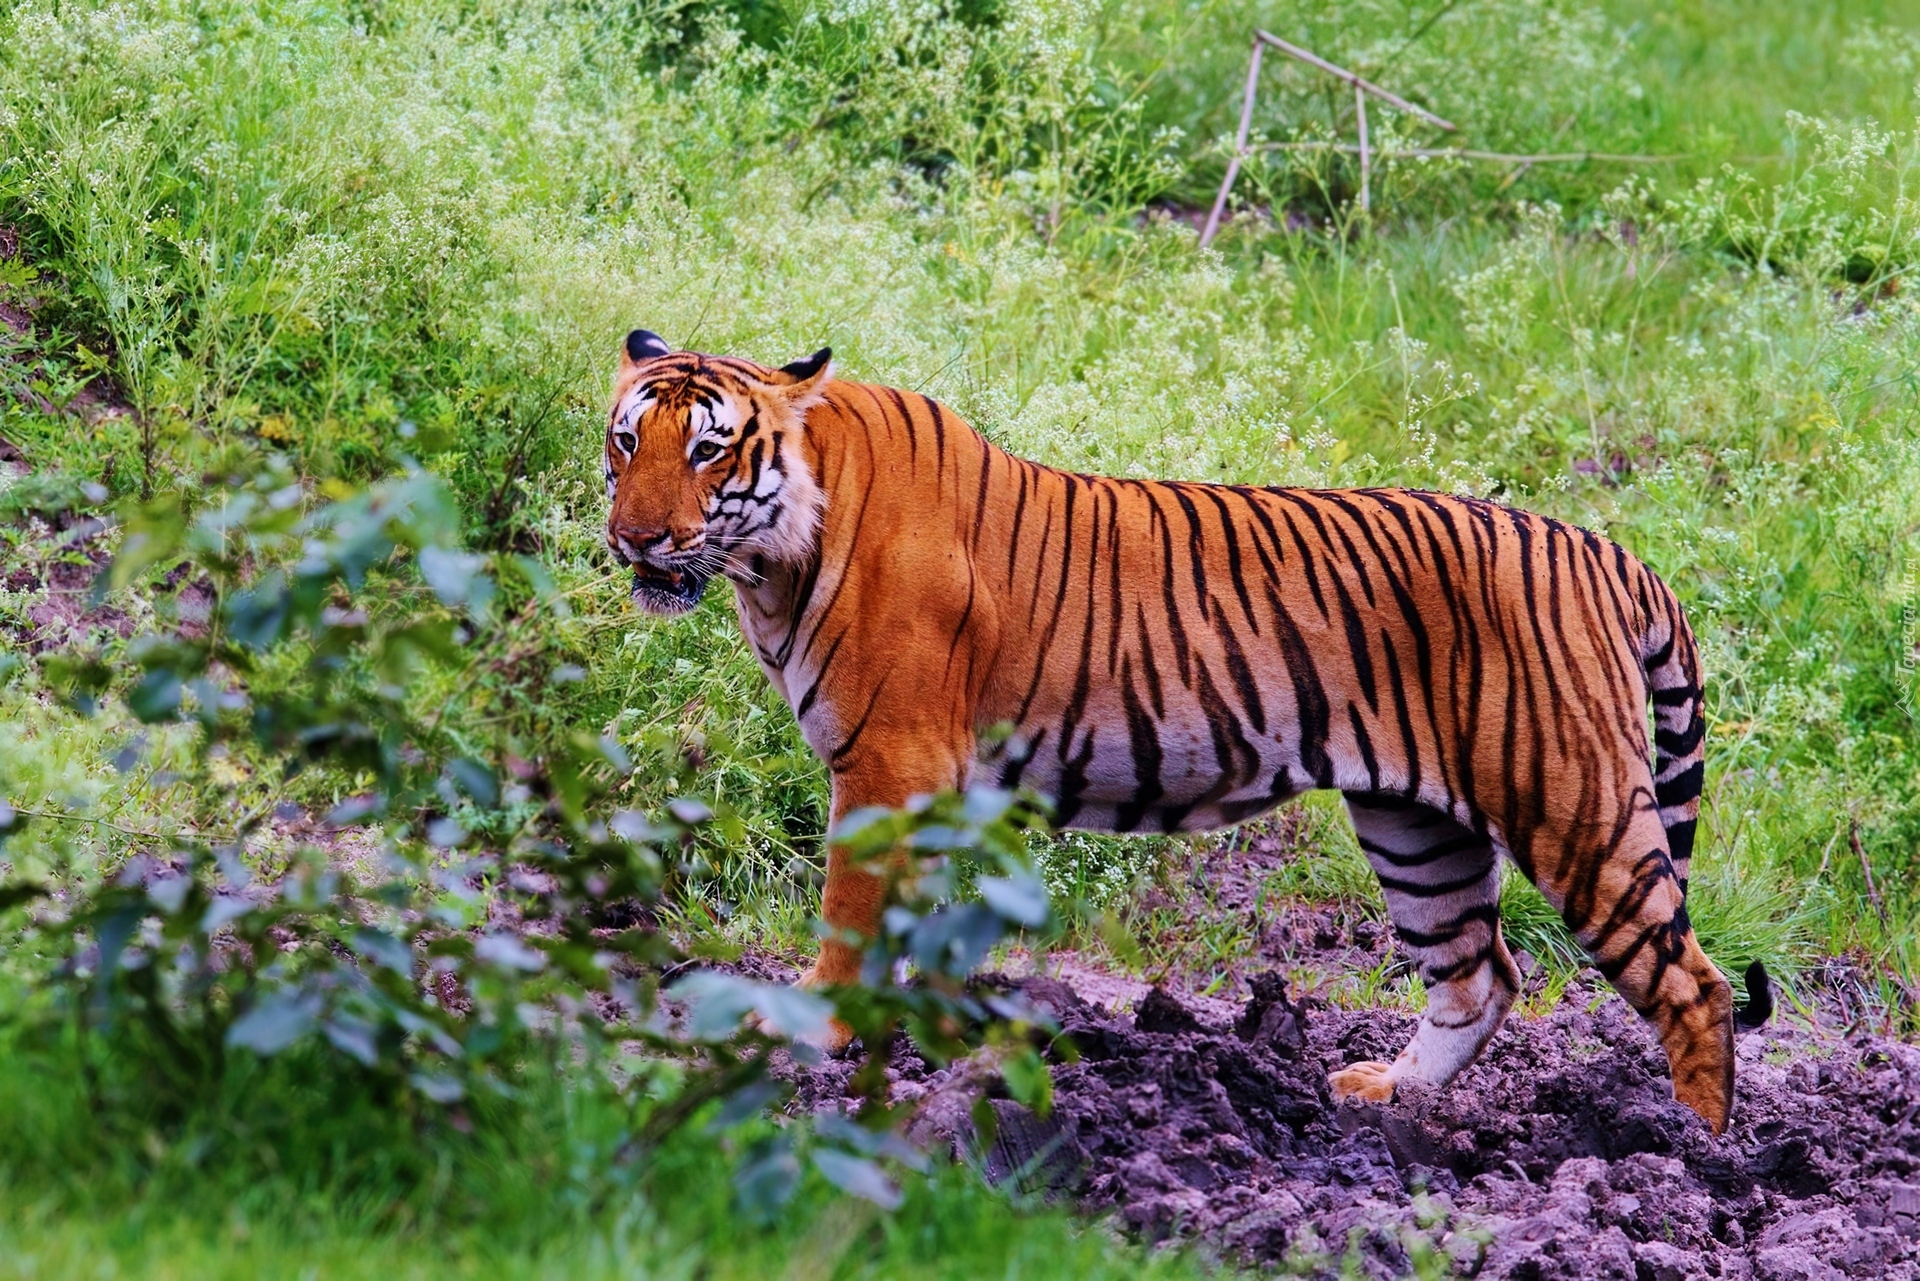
(950, 1227)
(360, 235)
(289, 1171)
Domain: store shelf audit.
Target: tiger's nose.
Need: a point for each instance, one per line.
(633, 539)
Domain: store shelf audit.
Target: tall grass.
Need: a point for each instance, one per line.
(415, 231)
(540, 1185)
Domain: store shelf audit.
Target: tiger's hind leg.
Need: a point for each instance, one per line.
(1442, 885)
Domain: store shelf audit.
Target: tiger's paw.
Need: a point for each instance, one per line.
(837, 1037)
(835, 1041)
(1369, 1082)
(832, 1041)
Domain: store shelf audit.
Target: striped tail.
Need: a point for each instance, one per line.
(1672, 663)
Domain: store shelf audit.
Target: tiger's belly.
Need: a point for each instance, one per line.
(1111, 778)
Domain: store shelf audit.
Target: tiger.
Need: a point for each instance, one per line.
(1169, 656)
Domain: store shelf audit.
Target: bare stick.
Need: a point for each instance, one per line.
(1315, 60)
(1239, 146)
(1514, 175)
(1366, 156)
(1468, 153)
(1866, 869)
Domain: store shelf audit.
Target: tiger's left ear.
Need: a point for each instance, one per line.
(642, 344)
(804, 381)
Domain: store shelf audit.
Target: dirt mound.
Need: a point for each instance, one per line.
(1560, 1154)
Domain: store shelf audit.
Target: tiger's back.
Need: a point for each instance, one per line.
(1220, 649)
(1173, 656)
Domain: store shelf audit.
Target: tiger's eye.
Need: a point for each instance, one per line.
(704, 450)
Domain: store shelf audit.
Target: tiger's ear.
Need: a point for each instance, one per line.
(643, 344)
(805, 380)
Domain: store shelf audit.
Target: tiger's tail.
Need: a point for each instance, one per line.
(1671, 659)
(1672, 665)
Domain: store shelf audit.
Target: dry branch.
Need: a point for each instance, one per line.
(1866, 870)
(1365, 150)
(1239, 145)
(1361, 88)
(1315, 60)
(1366, 157)
(1469, 153)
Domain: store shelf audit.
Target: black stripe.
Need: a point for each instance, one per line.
(1680, 742)
(1420, 889)
(1242, 675)
(1487, 914)
(1310, 696)
(1442, 849)
(980, 499)
(1366, 746)
(1234, 568)
(1682, 787)
(805, 704)
(1143, 735)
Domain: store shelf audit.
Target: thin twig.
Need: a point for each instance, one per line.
(1866, 869)
(52, 817)
(1519, 171)
(1469, 153)
(1366, 156)
(1315, 60)
(1414, 39)
(1239, 146)
(1393, 58)
(1825, 854)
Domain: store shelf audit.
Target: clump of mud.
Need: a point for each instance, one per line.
(1561, 1154)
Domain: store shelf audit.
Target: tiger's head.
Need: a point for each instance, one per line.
(705, 469)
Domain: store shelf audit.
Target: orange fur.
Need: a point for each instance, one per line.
(1179, 656)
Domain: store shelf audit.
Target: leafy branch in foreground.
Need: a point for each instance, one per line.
(464, 914)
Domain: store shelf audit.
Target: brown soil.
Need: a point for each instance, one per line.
(1561, 1154)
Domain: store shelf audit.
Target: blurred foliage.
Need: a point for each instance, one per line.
(462, 920)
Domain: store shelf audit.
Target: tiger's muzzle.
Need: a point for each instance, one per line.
(661, 585)
(660, 590)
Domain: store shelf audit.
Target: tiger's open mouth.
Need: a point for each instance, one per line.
(667, 591)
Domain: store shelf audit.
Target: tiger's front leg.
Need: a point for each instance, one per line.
(877, 766)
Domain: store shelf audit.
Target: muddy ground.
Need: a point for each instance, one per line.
(1561, 1154)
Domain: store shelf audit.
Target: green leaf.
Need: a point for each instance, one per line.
(154, 534)
(384, 949)
(438, 1086)
(81, 680)
(986, 805)
(1021, 898)
(352, 1037)
(20, 892)
(156, 695)
(766, 1181)
(857, 1176)
(543, 586)
(476, 780)
(859, 828)
(457, 578)
(745, 1103)
(509, 953)
(275, 1023)
(719, 1001)
(690, 812)
(1028, 1081)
